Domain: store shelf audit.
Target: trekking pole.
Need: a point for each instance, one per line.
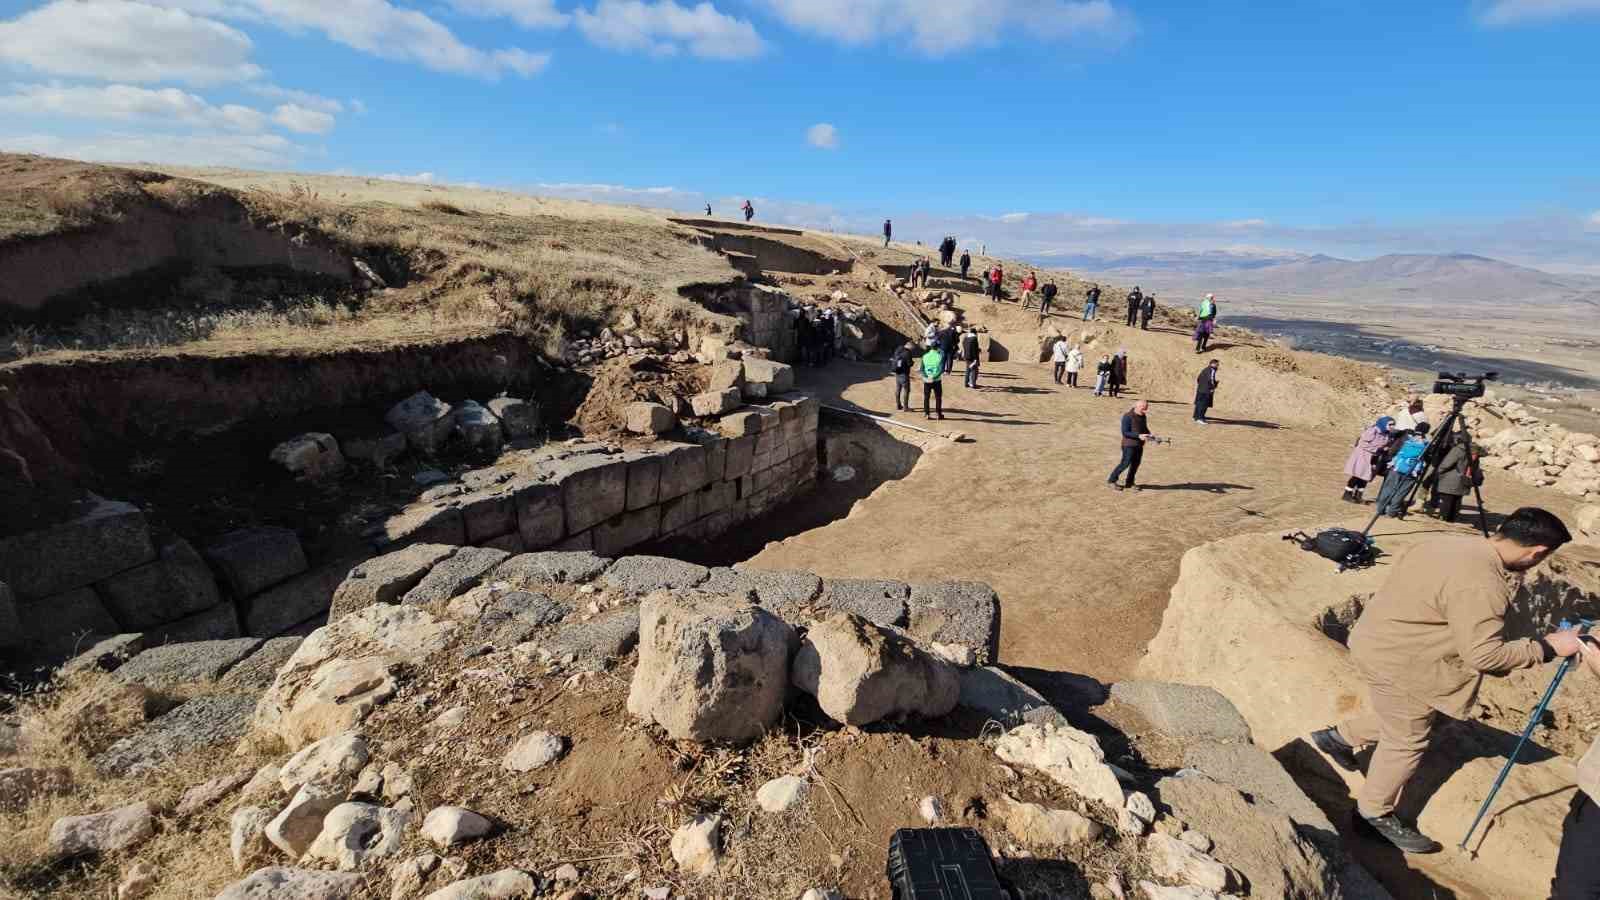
(1538, 714)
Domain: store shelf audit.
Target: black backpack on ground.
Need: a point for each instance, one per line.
(1350, 549)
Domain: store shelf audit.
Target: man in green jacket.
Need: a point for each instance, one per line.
(932, 385)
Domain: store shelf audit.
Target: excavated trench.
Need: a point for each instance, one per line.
(856, 456)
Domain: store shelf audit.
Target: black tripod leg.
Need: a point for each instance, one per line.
(1483, 511)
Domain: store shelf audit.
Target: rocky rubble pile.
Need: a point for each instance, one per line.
(1542, 454)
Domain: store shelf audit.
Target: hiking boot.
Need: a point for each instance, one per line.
(1114, 486)
(1336, 748)
(1402, 836)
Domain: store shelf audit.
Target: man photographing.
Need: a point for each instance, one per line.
(1423, 645)
(1135, 434)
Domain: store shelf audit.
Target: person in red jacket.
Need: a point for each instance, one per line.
(1029, 285)
(996, 278)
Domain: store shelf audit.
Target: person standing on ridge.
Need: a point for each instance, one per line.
(1456, 475)
(749, 211)
(1135, 434)
(1029, 285)
(1119, 372)
(1047, 298)
(932, 385)
(1206, 324)
(1058, 356)
(1135, 300)
(900, 365)
(997, 277)
(1205, 391)
(966, 264)
(1091, 302)
(708, 209)
(888, 231)
(1074, 366)
(969, 354)
(1147, 311)
(1424, 643)
(1102, 376)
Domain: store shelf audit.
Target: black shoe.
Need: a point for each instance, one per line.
(1335, 748)
(1402, 836)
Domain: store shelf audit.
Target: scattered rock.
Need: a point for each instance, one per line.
(782, 794)
(1138, 814)
(565, 873)
(355, 833)
(424, 420)
(313, 455)
(248, 837)
(1153, 891)
(138, 882)
(20, 786)
(697, 845)
(283, 883)
(207, 721)
(333, 762)
(519, 418)
(478, 427)
(861, 673)
(637, 576)
(1040, 827)
(534, 751)
(502, 885)
(447, 826)
(649, 418)
(293, 829)
(709, 670)
(407, 877)
(207, 793)
(1174, 860)
(821, 894)
(1072, 758)
(1183, 711)
(931, 809)
(1197, 840)
(99, 833)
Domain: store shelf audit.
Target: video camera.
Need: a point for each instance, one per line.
(1462, 386)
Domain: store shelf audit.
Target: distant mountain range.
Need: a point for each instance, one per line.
(1399, 278)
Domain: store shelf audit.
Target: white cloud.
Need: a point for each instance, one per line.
(306, 121)
(1245, 223)
(823, 135)
(377, 27)
(1014, 217)
(298, 98)
(664, 28)
(128, 103)
(527, 13)
(263, 150)
(1516, 12)
(118, 40)
(419, 178)
(954, 25)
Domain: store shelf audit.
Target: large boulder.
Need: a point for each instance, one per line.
(1071, 758)
(313, 455)
(861, 672)
(425, 420)
(177, 584)
(104, 832)
(283, 883)
(478, 427)
(385, 579)
(1254, 838)
(709, 669)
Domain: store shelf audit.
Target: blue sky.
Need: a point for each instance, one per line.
(1353, 128)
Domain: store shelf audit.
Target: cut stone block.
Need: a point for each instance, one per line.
(202, 722)
(716, 448)
(488, 514)
(219, 623)
(425, 420)
(257, 671)
(478, 427)
(535, 570)
(519, 418)
(964, 613)
(726, 375)
(1006, 700)
(453, 577)
(741, 423)
(644, 479)
(104, 538)
(786, 594)
(595, 643)
(630, 529)
(62, 625)
(715, 403)
(386, 578)
(253, 559)
(279, 609)
(509, 543)
(649, 418)
(594, 487)
(10, 625)
(425, 524)
(541, 513)
(683, 469)
(740, 453)
(176, 585)
(879, 602)
(175, 664)
(680, 513)
(777, 376)
(1184, 711)
(641, 575)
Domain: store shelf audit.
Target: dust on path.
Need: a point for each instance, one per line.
(1083, 572)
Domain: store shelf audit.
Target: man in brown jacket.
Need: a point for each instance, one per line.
(1424, 642)
(1578, 865)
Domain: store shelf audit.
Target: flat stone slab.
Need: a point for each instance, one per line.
(531, 570)
(174, 664)
(1184, 711)
(257, 671)
(455, 576)
(966, 613)
(879, 602)
(1257, 774)
(640, 575)
(105, 655)
(595, 643)
(202, 722)
(385, 579)
(996, 694)
(106, 537)
(514, 616)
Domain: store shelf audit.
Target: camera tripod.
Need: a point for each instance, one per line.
(1434, 455)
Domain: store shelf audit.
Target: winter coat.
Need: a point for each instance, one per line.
(1074, 360)
(1058, 353)
(1119, 371)
(1372, 441)
(1453, 478)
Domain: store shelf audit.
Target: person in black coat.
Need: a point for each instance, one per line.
(948, 336)
(966, 264)
(1205, 391)
(905, 356)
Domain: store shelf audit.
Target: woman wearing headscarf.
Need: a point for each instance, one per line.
(1359, 467)
(1119, 373)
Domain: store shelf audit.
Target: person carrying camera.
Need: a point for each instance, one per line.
(1135, 434)
(1423, 644)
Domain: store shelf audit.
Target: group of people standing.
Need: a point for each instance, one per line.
(941, 347)
(947, 253)
(817, 338)
(1141, 308)
(1398, 450)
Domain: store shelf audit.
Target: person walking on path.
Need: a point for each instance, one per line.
(888, 231)
(1207, 316)
(1205, 391)
(1102, 376)
(933, 370)
(996, 279)
(1404, 469)
(749, 211)
(969, 355)
(708, 209)
(1424, 643)
(949, 336)
(1091, 302)
(1456, 475)
(1135, 434)
(1058, 355)
(1119, 373)
(900, 365)
(1147, 311)
(1577, 863)
(1362, 464)
(1047, 298)
(1029, 285)
(1074, 365)
(966, 264)
(1135, 300)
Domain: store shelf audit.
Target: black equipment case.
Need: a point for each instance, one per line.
(942, 864)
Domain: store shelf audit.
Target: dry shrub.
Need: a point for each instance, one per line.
(449, 209)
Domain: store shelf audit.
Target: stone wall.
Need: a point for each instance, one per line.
(589, 496)
(104, 572)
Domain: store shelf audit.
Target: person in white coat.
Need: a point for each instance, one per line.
(1058, 355)
(1074, 366)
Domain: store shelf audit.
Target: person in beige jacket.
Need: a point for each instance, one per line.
(1431, 633)
(1578, 865)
